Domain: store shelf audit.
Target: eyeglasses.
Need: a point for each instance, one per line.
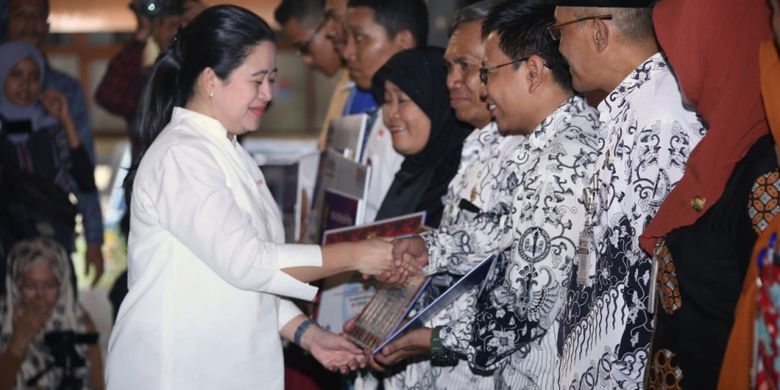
(555, 29)
(484, 72)
(304, 48)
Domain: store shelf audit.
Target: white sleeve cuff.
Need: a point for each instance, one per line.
(287, 311)
(283, 284)
(298, 255)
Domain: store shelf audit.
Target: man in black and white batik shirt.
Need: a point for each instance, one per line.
(606, 325)
(507, 334)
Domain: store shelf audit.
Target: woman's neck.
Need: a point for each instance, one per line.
(204, 108)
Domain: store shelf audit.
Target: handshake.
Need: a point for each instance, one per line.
(387, 261)
(391, 261)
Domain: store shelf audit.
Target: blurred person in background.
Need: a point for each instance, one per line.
(42, 157)
(378, 30)
(304, 23)
(28, 21)
(119, 91)
(39, 303)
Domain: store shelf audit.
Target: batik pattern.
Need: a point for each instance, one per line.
(533, 225)
(483, 151)
(667, 282)
(763, 203)
(606, 326)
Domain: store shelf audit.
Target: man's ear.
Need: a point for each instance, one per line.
(405, 40)
(536, 72)
(600, 35)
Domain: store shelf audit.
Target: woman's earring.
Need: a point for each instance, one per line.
(211, 94)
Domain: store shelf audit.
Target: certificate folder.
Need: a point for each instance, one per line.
(386, 310)
(347, 135)
(473, 278)
(343, 297)
(381, 321)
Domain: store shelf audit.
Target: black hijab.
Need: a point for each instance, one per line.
(423, 178)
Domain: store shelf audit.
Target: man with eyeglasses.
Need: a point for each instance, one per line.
(303, 23)
(307, 23)
(507, 331)
(607, 319)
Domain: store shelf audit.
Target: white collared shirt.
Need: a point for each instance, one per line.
(205, 254)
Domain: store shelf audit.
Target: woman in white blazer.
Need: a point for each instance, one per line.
(209, 272)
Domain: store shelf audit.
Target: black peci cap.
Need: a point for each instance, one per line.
(605, 3)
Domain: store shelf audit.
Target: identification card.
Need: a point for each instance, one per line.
(583, 259)
(653, 285)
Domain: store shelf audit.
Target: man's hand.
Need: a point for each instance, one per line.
(333, 351)
(410, 255)
(94, 260)
(416, 342)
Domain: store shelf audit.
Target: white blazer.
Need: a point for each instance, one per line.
(205, 251)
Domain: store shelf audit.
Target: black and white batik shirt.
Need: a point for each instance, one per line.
(510, 329)
(484, 151)
(606, 327)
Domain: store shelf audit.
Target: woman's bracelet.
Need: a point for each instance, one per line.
(301, 330)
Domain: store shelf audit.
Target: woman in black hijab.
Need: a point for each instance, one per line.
(416, 110)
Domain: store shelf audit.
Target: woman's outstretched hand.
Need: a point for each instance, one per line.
(374, 257)
(333, 351)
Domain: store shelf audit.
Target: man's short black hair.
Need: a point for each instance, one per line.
(309, 13)
(472, 13)
(397, 15)
(522, 31)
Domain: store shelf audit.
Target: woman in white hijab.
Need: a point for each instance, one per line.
(39, 301)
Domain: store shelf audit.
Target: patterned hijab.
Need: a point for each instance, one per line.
(713, 48)
(10, 55)
(423, 177)
(66, 315)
